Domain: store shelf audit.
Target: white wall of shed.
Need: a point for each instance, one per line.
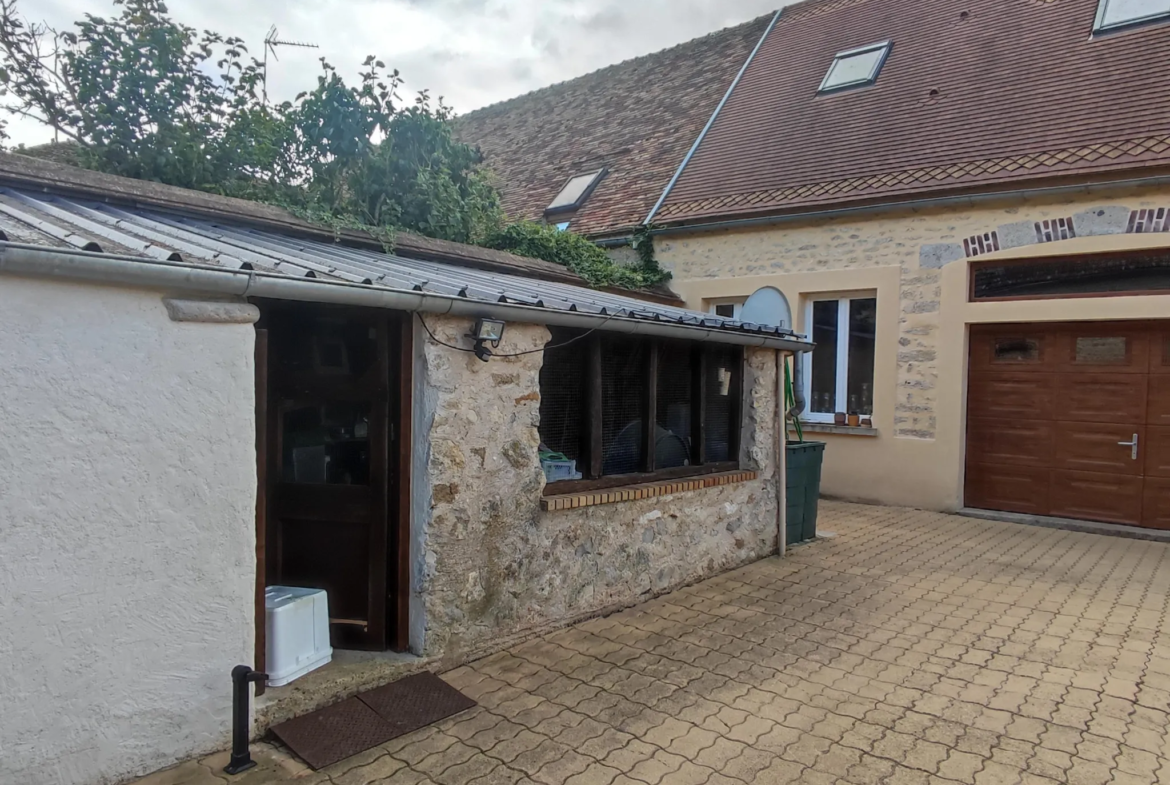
(127, 533)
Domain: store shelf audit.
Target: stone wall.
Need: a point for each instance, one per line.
(920, 242)
(490, 564)
(916, 262)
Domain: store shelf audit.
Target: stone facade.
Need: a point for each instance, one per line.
(920, 242)
(490, 565)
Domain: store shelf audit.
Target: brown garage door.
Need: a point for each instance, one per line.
(1071, 420)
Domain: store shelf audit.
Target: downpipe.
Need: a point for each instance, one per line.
(242, 677)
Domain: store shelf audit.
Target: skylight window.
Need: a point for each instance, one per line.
(1112, 14)
(856, 67)
(575, 192)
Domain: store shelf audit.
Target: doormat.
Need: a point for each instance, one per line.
(360, 723)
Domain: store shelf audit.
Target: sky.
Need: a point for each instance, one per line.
(471, 52)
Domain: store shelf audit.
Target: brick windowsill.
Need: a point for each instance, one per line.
(648, 490)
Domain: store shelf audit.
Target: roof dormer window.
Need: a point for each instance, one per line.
(855, 67)
(575, 192)
(1114, 14)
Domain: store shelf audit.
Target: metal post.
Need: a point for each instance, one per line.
(241, 759)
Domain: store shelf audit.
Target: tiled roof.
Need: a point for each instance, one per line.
(973, 94)
(637, 118)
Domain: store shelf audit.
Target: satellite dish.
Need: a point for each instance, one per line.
(767, 306)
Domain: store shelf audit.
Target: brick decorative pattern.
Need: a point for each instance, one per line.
(1148, 221)
(981, 244)
(1087, 159)
(1051, 230)
(572, 501)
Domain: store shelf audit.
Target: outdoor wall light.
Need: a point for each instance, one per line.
(487, 330)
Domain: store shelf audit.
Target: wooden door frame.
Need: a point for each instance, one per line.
(398, 356)
(260, 657)
(402, 425)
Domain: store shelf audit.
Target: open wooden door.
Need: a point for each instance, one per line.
(329, 440)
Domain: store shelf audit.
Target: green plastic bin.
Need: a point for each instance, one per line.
(803, 489)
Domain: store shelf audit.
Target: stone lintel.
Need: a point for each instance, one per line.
(211, 311)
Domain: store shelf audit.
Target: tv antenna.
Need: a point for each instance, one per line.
(273, 40)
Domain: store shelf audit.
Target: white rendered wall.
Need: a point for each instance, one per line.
(127, 535)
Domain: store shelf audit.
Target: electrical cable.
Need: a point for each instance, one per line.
(516, 354)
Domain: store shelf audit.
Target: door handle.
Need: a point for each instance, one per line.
(1133, 445)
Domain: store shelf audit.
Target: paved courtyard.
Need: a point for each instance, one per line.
(911, 648)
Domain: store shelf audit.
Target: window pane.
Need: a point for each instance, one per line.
(1102, 351)
(675, 382)
(573, 191)
(1016, 350)
(824, 357)
(1121, 12)
(623, 385)
(562, 396)
(862, 333)
(723, 366)
(325, 443)
(725, 309)
(1131, 273)
(855, 67)
(324, 347)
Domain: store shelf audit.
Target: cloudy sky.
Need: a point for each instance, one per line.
(472, 52)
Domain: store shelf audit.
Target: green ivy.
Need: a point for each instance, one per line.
(574, 251)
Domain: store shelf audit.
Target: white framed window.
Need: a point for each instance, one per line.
(839, 370)
(728, 309)
(855, 68)
(1114, 14)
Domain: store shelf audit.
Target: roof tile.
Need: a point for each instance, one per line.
(638, 118)
(971, 94)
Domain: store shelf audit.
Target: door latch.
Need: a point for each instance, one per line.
(1133, 453)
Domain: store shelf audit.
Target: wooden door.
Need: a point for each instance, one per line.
(329, 476)
(1156, 500)
(1054, 411)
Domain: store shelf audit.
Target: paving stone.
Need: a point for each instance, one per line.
(914, 648)
(594, 774)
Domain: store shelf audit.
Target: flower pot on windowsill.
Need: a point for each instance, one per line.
(854, 420)
(840, 418)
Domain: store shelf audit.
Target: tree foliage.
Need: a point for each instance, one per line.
(147, 97)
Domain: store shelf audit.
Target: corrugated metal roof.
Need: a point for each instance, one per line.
(29, 217)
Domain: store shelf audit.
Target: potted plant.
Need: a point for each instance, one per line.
(803, 480)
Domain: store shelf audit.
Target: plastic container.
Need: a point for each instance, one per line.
(297, 627)
(803, 489)
(555, 471)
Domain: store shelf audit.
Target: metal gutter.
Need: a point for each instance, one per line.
(69, 264)
(935, 201)
(703, 134)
